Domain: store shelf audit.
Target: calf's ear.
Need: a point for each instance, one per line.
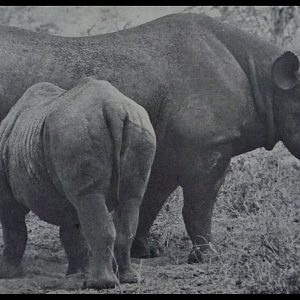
(285, 70)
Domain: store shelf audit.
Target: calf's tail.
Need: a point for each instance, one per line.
(117, 126)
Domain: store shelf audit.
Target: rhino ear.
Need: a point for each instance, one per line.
(285, 70)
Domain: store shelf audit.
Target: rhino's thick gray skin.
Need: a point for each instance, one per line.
(212, 91)
(75, 157)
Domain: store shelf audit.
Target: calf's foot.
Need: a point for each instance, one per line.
(129, 276)
(105, 281)
(72, 282)
(87, 281)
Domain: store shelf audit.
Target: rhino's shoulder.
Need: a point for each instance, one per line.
(38, 95)
(33, 105)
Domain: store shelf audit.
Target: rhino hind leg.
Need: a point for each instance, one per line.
(85, 179)
(98, 234)
(12, 216)
(159, 188)
(97, 224)
(124, 237)
(76, 247)
(135, 171)
(98, 228)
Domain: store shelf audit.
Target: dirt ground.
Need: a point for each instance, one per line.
(45, 265)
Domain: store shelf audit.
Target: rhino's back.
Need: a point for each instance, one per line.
(146, 63)
(27, 58)
(91, 102)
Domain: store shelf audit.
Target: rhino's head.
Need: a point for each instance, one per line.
(286, 100)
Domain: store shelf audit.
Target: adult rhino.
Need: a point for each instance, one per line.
(212, 91)
(72, 157)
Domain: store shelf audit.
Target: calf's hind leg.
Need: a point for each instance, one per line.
(135, 171)
(76, 248)
(97, 224)
(12, 217)
(85, 179)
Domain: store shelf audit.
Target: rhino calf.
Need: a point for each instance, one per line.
(79, 159)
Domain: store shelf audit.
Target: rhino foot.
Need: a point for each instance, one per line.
(129, 276)
(72, 282)
(8, 270)
(142, 249)
(203, 255)
(101, 282)
(84, 281)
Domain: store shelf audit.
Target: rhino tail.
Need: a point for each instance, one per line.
(117, 126)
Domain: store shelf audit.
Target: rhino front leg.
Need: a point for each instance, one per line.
(12, 216)
(76, 247)
(200, 188)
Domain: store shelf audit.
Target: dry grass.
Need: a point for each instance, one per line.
(255, 225)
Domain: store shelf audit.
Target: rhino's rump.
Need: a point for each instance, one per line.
(84, 141)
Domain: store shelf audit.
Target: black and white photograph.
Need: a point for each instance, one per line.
(149, 149)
